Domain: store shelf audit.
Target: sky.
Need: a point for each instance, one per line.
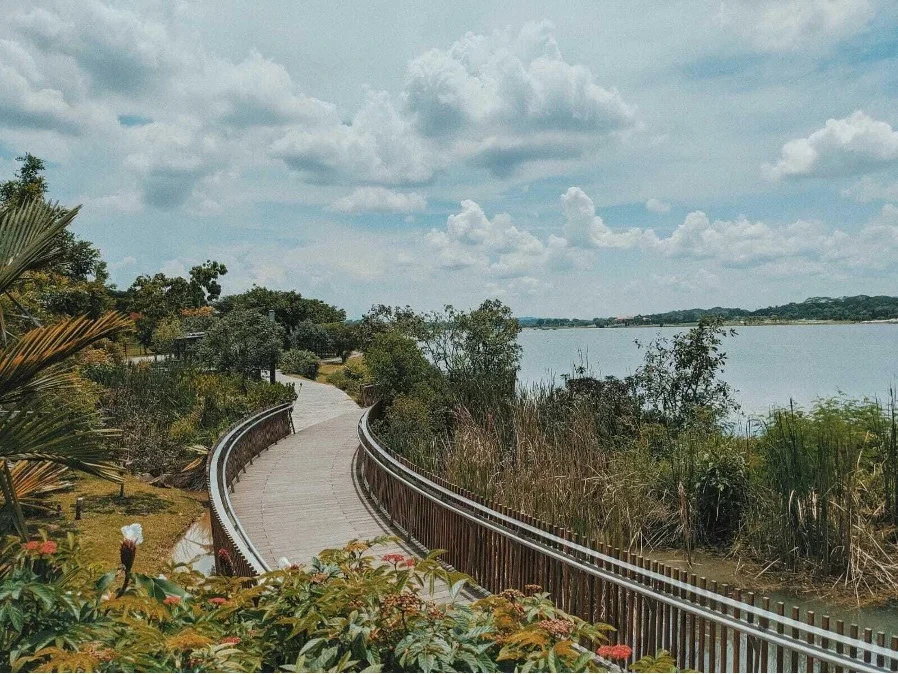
(569, 158)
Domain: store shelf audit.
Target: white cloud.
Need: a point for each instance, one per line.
(843, 146)
(494, 246)
(119, 49)
(380, 200)
(584, 229)
(867, 189)
(379, 146)
(512, 97)
(787, 25)
(28, 100)
(657, 206)
(120, 202)
(258, 91)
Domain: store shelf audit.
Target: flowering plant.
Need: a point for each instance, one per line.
(347, 610)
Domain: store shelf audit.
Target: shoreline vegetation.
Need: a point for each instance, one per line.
(812, 311)
(648, 463)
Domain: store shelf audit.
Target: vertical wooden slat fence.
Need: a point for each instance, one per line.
(652, 606)
(230, 456)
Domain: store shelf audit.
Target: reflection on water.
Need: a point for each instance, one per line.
(195, 547)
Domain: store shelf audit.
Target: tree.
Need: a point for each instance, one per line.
(290, 308)
(343, 338)
(154, 298)
(36, 426)
(397, 366)
(75, 283)
(680, 377)
(243, 342)
(309, 336)
(477, 350)
(166, 334)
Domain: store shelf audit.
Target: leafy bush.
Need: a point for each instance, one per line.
(301, 362)
(162, 408)
(241, 342)
(347, 611)
(351, 377)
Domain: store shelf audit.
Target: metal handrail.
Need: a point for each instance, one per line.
(219, 490)
(477, 512)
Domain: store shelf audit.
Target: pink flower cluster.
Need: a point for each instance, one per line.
(396, 559)
(615, 652)
(171, 600)
(41, 547)
(230, 640)
(218, 601)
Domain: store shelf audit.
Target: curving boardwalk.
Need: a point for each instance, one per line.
(300, 496)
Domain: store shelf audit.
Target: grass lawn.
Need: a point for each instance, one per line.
(164, 513)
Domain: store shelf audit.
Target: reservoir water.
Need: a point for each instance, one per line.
(767, 365)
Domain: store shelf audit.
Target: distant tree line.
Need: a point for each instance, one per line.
(854, 308)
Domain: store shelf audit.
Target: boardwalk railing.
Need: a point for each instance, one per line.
(236, 449)
(705, 626)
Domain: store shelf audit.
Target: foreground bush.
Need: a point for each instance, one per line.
(301, 362)
(347, 611)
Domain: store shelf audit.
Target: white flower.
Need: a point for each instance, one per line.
(133, 532)
(284, 563)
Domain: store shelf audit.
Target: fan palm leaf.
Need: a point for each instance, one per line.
(29, 238)
(26, 367)
(33, 481)
(75, 439)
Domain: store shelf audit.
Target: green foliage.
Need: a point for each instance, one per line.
(351, 377)
(347, 611)
(154, 298)
(167, 331)
(310, 336)
(343, 339)
(301, 362)
(290, 309)
(164, 408)
(680, 376)
(397, 365)
(662, 661)
(242, 342)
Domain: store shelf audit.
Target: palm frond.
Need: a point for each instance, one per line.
(24, 365)
(29, 238)
(33, 481)
(45, 431)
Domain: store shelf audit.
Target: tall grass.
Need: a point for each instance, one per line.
(813, 492)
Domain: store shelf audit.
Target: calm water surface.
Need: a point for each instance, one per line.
(767, 365)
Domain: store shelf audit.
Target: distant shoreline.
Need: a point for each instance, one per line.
(729, 324)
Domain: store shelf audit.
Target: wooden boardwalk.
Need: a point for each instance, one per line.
(301, 496)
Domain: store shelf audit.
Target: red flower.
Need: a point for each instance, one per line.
(230, 640)
(48, 548)
(393, 558)
(171, 600)
(615, 652)
(410, 562)
(31, 546)
(218, 601)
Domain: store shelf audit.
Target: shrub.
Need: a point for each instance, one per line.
(301, 362)
(347, 611)
(397, 365)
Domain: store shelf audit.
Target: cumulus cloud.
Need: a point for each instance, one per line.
(379, 200)
(787, 25)
(118, 49)
(584, 229)
(379, 146)
(495, 246)
(28, 100)
(657, 206)
(843, 146)
(868, 189)
(512, 97)
(258, 91)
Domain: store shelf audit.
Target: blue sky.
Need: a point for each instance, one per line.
(572, 159)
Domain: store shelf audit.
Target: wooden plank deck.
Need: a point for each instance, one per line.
(301, 496)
